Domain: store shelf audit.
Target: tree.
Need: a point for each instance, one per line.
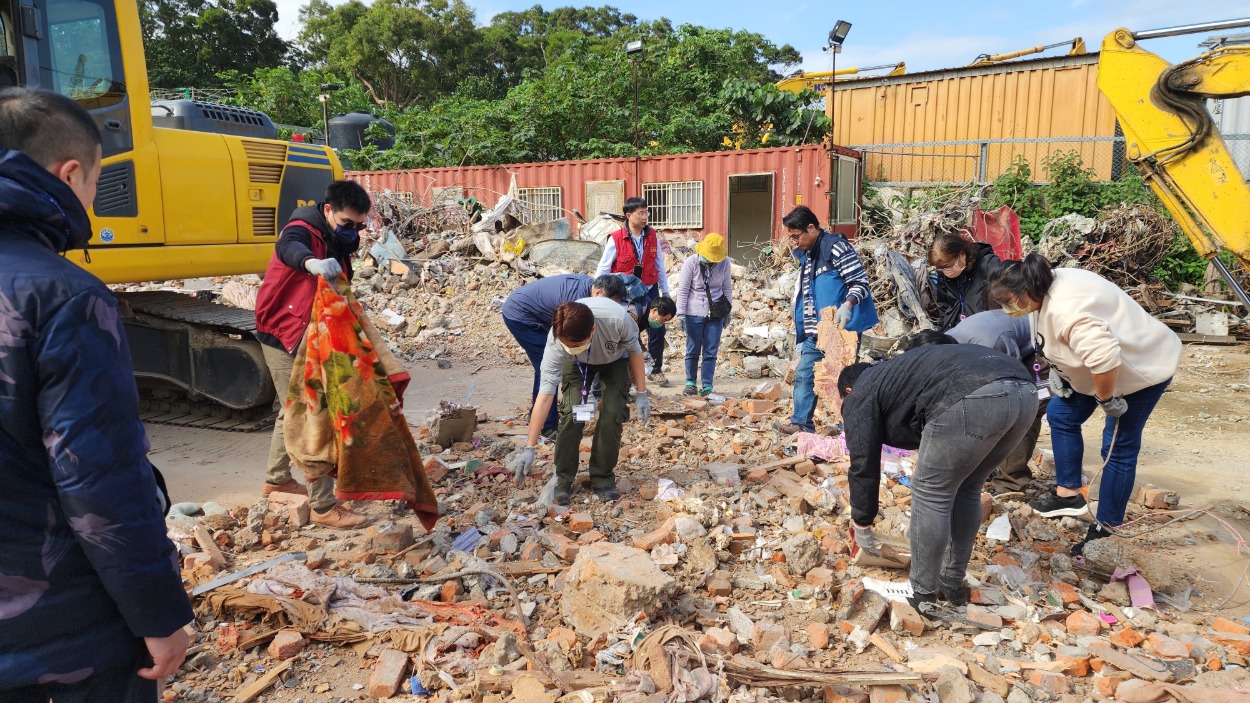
(405, 52)
(531, 40)
(189, 42)
(292, 97)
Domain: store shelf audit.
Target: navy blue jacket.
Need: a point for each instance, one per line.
(85, 566)
(536, 303)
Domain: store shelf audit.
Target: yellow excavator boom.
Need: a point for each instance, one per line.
(1077, 48)
(805, 80)
(1171, 138)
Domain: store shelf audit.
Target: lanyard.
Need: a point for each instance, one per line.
(637, 243)
(1037, 373)
(585, 369)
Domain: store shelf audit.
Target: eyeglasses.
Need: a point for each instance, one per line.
(947, 267)
(356, 226)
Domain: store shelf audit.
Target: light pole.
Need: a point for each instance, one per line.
(632, 50)
(837, 35)
(326, 88)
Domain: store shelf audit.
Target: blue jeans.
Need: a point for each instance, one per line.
(1066, 415)
(805, 385)
(533, 339)
(655, 335)
(702, 343)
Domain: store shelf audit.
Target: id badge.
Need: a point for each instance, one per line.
(1043, 391)
(584, 412)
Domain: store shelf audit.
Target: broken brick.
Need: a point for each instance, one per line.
(1064, 592)
(1107, 682)
(988, 619)
(564, 547)
(666, 533)
(1083, 623)
(718, 640)
(1077, 666)
(450, 590)
(591, 537)
(756, 405)
(781, 575)
(818, 635)
(904, 618)
(563, 636)
(389, 537)
(842, 694)
(1126, 638)
(1052, 681)
(757, 475)
(1166, 647)
(1229, 627)
(286, 644)
(388, 675)
(581, 522)
(718, 586)
(1157, 498)
(892, 693)
(532, 552)
(1240, 643)
(821, 577)
(227, 637)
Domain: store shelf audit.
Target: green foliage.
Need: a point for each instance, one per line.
(189, 42)
(1181, 264)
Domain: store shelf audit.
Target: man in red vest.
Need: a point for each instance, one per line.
(318, 240)
(635, 249)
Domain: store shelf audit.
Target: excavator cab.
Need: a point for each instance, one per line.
(187, 189)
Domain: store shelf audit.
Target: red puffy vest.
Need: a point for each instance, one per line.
(627, 258)
(284, 302)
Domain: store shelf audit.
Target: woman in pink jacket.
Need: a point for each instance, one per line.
(704, 292)
(1105, 352)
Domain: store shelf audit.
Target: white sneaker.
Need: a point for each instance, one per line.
(897, 592)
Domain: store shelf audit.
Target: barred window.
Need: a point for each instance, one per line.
(677, 205)
(545, 204)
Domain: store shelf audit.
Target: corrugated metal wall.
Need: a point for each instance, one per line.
(1232, 116)
(801, 175)
(1029, 99)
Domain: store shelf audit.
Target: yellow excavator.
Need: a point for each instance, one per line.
(187, 189)
(819, 80)
(1076, 47)
(1172, 140)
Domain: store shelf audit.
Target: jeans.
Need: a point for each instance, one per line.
(612, 413)
(533, 339)
(1015, 474)
(958, 450)
(702, 344)
(805, 384)
(278, 471)
(120, 685)
(1066, 417)
(655, 335)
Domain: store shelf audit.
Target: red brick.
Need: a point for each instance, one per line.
(1166, 647)
(1240, 643)
(1229, 627)
(286, 644)
(841, 694)
(564, 547)
(564, 636)
(782, 576)
(1083, 622)
(718, 640)
(591, 537)
(1065, 592)
(675, 432)
(1126, 638)
(388, 675)
(1157, 498)
(818, 635)
(989, 619)
(768, 390)
(756, 405)
(904, 618)
(718, 586)
(804, 468)
(664, 534)
(227, 637)
(757, 475)
(1074, 666)
(466, 518)
(1050, 680)
(389, 537)
(450, 590)
(648, 492)
(1108, 682)
(532, 552)
(435, 471)
(581, 522)
(892, 693)
(820, 577)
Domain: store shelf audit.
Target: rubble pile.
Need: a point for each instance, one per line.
(725, 573)
(1124, 244)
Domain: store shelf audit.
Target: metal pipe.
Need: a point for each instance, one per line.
(1232, 283)
(1192, 29)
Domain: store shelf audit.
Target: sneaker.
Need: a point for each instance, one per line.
(690, 389)
(560, 497)
(340, 517)
(896, 591)
(1051, 504)
(957, 594)
(658, 378)
(787, 427)
(922, 602)
(550, 435)
(291, 486)
(1096, 531)
(705, 391)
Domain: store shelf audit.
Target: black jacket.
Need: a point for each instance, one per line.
(294, 245)
(894, 400)
(968, 294)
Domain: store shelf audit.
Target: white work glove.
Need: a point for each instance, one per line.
(866, 540)
(1058, 388)
(644, 407)
(328, 269)
(522, 464)
(1114, 406)
(843, 317)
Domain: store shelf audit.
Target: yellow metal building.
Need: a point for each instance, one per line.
(947, 126)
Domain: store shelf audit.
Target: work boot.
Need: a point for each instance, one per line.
(787, 427)
(705, 391)
(690, 389)
(919, 600)
(1096, 531)
(955, 594)
(1051, 504)
(340, 517)
(291, 486)
(608, 494)
(560, 497)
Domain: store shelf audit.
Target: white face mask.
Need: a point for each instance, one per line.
(575, 350)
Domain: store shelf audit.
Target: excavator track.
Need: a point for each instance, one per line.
(197, 363)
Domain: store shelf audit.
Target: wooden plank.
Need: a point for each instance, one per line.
(884, 645)
(575, 680)
(249, 694)
(207, 544)
(1216, 339)
(782, 463)
(526, 568)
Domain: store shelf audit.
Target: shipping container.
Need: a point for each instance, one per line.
(739, 194)
(1045, 100)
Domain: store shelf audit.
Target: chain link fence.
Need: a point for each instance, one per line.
(960, 162)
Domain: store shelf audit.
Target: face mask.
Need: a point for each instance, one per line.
(655, 324)
(575, 350)
(1013, 310)
(342, 232)
(704, 260)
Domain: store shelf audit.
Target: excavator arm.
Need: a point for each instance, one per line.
(1171, 138)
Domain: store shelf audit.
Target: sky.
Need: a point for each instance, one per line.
(927, 34)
